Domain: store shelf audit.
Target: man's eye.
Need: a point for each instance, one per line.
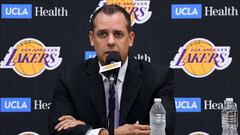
(102, 34)
(118, 34)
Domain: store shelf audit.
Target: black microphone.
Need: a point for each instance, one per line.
(112, 73)
(110, 70)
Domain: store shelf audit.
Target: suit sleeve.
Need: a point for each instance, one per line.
(166, 92)
(62, 105)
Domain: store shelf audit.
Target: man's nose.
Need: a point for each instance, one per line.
(111, 40)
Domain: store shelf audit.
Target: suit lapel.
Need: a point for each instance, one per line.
(96, 88)
(131, 86)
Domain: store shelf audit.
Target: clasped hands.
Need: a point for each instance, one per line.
(67, 121)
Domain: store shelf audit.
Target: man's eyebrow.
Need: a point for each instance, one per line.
(118, 31)
(101, 30)
(105, 30)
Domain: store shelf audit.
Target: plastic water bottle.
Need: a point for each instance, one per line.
(157, 118)
(229, 117)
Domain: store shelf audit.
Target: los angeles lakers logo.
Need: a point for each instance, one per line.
(28, 133)
(138, 9)
(199, 133)
(199, 58)
(29, 58)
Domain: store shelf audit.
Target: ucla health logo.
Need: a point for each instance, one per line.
(188, 104)
(29, 58)
(199, 58)
(15, 104)
(89, 54)
(17, 11)
(186, 11)
(138, 9)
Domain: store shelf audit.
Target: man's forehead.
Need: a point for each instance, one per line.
(104, 21)
(101, 14)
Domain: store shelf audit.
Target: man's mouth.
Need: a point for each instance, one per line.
(109, 52)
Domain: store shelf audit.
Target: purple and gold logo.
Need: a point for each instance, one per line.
(28, 133)
(198, 133)
(29, 58)
(138, 9)
(199, 58)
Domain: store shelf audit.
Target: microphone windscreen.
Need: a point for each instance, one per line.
(113, 57)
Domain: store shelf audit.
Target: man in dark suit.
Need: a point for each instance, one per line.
(79, 102)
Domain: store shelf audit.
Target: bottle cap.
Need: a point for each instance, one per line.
(157, 100)
(229, 99)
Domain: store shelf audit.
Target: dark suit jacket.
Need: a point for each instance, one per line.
(80, 92)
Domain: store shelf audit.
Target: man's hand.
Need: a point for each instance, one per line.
(67, 121)
(133, 129)
(103, 132)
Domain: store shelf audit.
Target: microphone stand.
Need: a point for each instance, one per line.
(111, 105)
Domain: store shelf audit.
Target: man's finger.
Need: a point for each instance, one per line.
(144, 132)
(61, 123)
(69, 126)
(58, 125)
(69, 117)
(81, 122)
(66, 124)
(68, 121)
(66, 117)
(143, 127)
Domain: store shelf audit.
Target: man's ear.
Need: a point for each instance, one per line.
(91, 36)
(131, 38)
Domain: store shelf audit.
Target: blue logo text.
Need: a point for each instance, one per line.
(15, 104)
(186, 11)
(17, 11)
(188, 104)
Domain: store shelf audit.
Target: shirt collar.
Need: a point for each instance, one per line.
(121, 73)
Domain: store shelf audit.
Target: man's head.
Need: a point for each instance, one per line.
(111, 32)
(109, 10)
